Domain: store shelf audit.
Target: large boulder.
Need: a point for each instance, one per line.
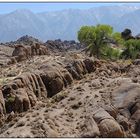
(107, 124)
(37, 49)
(21, 102)
(78, 69)
(124, 97)
(33, 82)
(24, 90)
(90, 65)
(110, 129)
(67, 77)
(4, 58)
(54, 78)
(23, 52)
(73, 72)
(19, 99)
(90, 129)
(127, 100)
(113, 111)
(20, 53)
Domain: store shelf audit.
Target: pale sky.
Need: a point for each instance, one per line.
(41, 7)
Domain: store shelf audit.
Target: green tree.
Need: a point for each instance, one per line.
(132, 49)
(111, 53)
(118, 38)
(95, 38)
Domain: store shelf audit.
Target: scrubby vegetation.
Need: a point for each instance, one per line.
(99, 40)
(95, 37)
(132, 49)
(111, 53)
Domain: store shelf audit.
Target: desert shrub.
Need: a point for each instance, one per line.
(111, 53)
(132, 49)
(118, 39)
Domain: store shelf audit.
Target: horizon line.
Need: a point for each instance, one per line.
(71, 8)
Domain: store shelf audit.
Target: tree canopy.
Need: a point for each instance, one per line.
(132, 49)
(118, 38)
(95, 38)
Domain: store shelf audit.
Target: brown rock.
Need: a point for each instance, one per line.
(2, 104)
(110, 129)
(123, 121)
(107, 125)
(111, 110)
(55, 86)
(67, 78)
(52, 79)
(20, 53)
(136, 62)
(22, 102)
(100, 115)
(73, 72)
(127, 99)
(90, 129)
(90, 65)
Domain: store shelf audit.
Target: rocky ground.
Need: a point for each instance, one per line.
(68, 94)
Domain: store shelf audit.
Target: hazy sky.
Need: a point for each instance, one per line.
(41, 7)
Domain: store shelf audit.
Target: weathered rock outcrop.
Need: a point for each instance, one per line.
(25, 40)
(2, 104)
(4, 58)
(107, 124)
(118, 119)
(127, 100)
(47, 81)
(99, 123)
(79, 68)
(22, 52)
(27, 46)
(23, 92)
(90, 128)
(55, 78)
(58, 45)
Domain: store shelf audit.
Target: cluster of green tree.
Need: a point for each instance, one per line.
(131, 50)
(98, 39)
(132, 45)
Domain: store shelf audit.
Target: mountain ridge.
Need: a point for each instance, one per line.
(64, 24)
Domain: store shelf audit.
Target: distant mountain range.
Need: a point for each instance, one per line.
(65, 24)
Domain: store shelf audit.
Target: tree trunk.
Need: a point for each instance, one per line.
(98, 53)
